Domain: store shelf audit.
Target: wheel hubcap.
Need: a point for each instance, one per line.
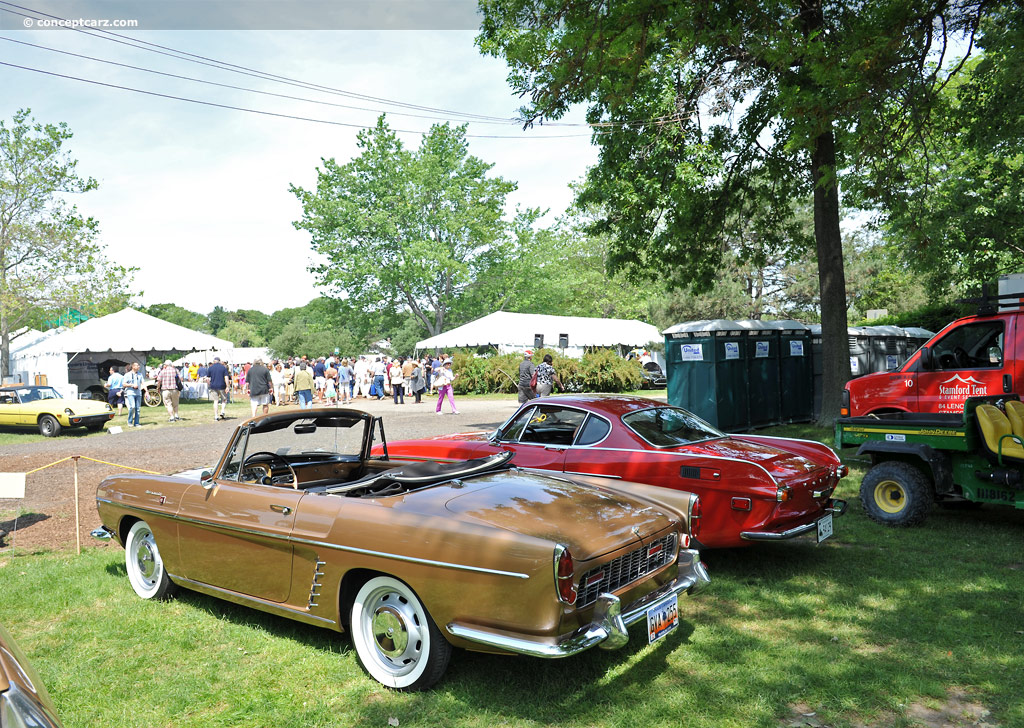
(396, 631)
(890, 496)
(145, 558)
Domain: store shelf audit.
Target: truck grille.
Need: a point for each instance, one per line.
(626, 569)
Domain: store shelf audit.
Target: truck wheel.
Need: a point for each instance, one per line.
(896, 494)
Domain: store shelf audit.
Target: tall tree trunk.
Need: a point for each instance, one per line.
(835, 347)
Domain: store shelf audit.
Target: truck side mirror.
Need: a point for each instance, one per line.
(926, 357)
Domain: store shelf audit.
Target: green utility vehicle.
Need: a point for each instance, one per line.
(918, 459)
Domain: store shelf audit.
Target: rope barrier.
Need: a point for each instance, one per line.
(85, 457)
(76, 458)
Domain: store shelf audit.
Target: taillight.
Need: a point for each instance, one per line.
(783, 493)
(741, 504)
(564, 575)
(695, 517)
(843, 471)
(844, 407)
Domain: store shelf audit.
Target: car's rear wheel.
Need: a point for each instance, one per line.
(144, 564)
(396, 640)
(49, 426)
(896, 494)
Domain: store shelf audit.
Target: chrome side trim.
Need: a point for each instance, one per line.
(263, 604)
(592, 475)
(411, 559)
(795, 439)
(684, 455)
(323, 544)
(608, 625)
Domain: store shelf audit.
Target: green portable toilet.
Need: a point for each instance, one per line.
(762, 372)
(707, 371)
(796, 371)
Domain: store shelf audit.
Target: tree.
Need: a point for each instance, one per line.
(241, 334)
(401, 229)
(959, 213)
(50, 259)
(216, 320)
(178, 315)
(706, 109)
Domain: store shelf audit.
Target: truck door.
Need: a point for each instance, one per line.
(969, 361)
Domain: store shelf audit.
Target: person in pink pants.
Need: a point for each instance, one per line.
(444, 387)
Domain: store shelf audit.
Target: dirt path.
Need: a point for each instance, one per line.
(44, 519)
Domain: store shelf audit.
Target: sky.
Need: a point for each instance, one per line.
(198, 197)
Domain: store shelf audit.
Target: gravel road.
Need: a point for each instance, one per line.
(45, 517)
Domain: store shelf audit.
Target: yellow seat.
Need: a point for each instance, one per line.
(1015, 413)
(997, 434)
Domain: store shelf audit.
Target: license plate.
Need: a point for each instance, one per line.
(824, 527)
(662, 618)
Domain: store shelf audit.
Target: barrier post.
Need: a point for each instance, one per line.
(78, 529)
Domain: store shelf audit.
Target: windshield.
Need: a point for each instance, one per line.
(669, 426)
(32, 394)
(320, 438)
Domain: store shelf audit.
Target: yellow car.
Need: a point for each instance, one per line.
(44, 408)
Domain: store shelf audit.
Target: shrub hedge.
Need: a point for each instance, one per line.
(598, 371)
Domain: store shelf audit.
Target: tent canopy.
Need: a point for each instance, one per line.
(127, 330)
(507, 330)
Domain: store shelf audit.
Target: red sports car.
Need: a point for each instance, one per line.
(751, 487)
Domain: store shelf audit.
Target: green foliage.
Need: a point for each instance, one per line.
(404, 230)
(50, 257)
(178, 315)
(958, 210)
(933, 316)
(242, 334)
(600, 370)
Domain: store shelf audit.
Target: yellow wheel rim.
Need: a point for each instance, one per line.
(890, 496)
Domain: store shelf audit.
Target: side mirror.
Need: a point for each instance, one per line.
(926, 358)
(206, 479)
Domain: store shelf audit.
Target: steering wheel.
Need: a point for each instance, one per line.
(272, 457)
(962, 357)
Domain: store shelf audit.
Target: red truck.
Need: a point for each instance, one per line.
(975, 356)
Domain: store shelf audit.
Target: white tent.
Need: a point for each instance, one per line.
(236, 355)
(516, 331)
(72, 359)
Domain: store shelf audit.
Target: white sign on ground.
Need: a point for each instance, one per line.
(12, 485)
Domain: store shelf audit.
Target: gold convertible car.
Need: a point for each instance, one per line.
(298, 519)
(44, 409)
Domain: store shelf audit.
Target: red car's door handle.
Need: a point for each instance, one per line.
(281, 509)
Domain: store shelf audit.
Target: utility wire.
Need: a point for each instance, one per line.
(507, 122)
(269, 113)
(244, 70)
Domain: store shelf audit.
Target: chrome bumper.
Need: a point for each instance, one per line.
(102, 533)
(835, 507)
(608, 626)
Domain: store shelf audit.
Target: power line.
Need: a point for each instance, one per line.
(263, 75)
(507, 122)
(267, 113)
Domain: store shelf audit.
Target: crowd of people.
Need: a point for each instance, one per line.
(325, 381)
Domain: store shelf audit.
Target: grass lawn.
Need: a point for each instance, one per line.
(875, 627)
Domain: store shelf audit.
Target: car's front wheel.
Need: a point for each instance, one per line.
(896, 494)
(151, 397)
(49, 426)
(396, 640)
(144, 564)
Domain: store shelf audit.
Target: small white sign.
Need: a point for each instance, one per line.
(692, 352)
(761, 352)
(891, 362)
(115, 430)
(895, 438)
(796, 348)
(854, 365)
(732, 350)
(12, 485)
